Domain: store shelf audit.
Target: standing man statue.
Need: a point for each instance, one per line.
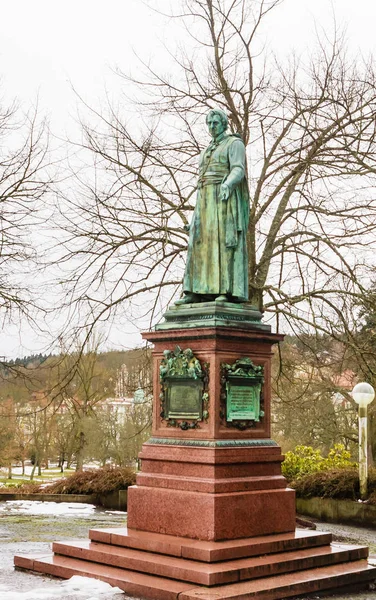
(217, 261)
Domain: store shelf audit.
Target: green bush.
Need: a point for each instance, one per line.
(304, 460)
(27, 487)
(339, 458)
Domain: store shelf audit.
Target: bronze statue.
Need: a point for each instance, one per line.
(217, 258)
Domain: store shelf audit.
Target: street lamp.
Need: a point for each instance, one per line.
(363, 394)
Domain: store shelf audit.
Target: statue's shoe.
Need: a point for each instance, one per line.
(222, 298)
(187, 299)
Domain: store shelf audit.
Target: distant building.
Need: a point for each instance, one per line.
(117, 406)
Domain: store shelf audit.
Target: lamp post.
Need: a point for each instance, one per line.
(363, 394)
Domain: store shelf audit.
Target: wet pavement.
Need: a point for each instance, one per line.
(350, 534)
(27, 529)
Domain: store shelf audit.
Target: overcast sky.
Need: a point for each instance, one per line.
(46, 46)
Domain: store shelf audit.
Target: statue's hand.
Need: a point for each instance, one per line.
(225, 191)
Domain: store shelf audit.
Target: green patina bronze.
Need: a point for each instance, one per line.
(211, 443)
(241, 385)
(184, 395)
(218, 313)
(217, 249)
(243, 402)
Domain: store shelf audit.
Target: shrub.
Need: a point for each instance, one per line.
(372, 487)
(27, 487)
(340, 483)
(304, 460)
(339, 458)
(93, 481)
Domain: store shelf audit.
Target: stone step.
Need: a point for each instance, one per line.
(133, 583)
(219, 573)
(205, 551)
(323, 579)
(160, 588)
(214, 485)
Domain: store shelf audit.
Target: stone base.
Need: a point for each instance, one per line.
(212, 314)
(212, 516)
(211, 493)
(163, 567)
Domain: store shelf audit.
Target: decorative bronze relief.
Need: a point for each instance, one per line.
(242, 403)
(184, 389)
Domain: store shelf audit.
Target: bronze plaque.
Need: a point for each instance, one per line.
(243, 402)
(184, 398)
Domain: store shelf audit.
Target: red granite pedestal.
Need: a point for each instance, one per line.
(214, 482)
(211, 516)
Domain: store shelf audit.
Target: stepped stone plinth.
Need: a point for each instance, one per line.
(210, 516)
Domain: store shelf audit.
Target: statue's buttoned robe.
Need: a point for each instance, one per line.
(217, 251)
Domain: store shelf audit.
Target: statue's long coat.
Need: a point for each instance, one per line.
(217, 257)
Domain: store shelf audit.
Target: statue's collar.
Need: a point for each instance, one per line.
(215, 142)
(220, 137)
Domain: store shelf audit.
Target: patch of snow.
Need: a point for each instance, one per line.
(81, 587)
(36, 507)
(115, 512)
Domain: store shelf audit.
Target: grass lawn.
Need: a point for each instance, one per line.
(48, 475)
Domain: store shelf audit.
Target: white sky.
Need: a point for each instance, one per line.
(45, 46)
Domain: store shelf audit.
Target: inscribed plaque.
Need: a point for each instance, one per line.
(184, 398)
(243, 402)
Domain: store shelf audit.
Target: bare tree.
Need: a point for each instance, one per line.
(84, 385)
(309, 126)
(312, 405)
(24, 182)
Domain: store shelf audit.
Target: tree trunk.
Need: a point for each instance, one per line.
(256, 298)
(69, 459)
(33, 471)
(80, 452)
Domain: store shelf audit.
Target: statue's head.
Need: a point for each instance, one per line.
(216, 121)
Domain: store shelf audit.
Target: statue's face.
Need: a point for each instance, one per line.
(215, 126)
